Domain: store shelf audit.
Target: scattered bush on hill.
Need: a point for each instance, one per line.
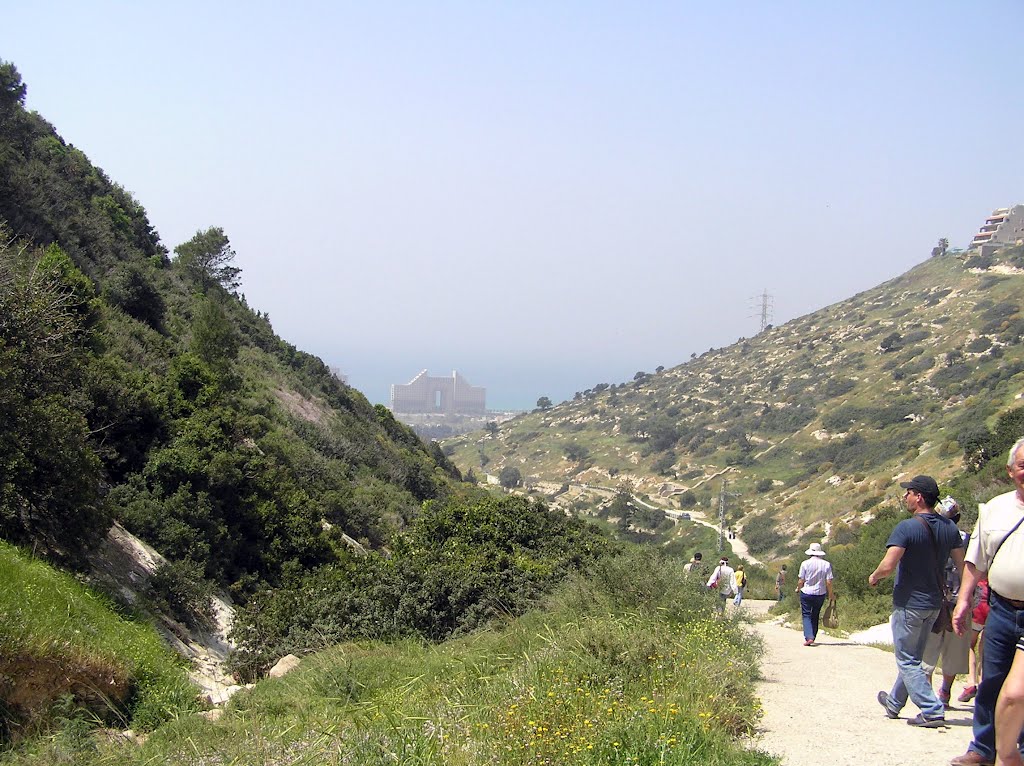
(687, 499)
(855, 452)
(664, 464)
(760, 534)
(787, 419)
(510, 477)
(980, 445)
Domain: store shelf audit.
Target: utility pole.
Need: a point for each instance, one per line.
(721, 514)
(721, 517)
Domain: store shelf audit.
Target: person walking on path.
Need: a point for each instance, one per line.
(724, 580)
(951, 649)
(741, 585)
(917, 549)
(780, 583)
(813, 585)
(696, 565)
(997, 547)
(978, 616)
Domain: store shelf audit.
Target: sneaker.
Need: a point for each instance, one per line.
(883, 700)
(926, 723)
(943, 695)
(967, 694)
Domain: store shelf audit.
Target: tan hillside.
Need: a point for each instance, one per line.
(812, 422)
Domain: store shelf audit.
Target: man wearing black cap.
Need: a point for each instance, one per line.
(917, 549)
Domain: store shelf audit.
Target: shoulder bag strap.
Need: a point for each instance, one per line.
(935, 547)
(1019, 522)
(988, 593)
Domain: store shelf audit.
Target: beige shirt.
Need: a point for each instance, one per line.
(995, 519)
(726, 579)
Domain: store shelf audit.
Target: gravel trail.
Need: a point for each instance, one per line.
(820, 707)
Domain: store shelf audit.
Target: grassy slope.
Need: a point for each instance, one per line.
(629, 666)
(75, 645)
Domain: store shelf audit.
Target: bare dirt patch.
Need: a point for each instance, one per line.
(300, 406)
(30, 686)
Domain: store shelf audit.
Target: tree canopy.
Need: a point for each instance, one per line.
(510, 477)
(209, 259)
(49, 490)
(12, 89)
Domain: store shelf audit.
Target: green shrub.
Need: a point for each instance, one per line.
(760, 534)
(177, 588)
(459, 566)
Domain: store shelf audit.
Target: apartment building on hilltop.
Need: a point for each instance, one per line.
(1004, 227)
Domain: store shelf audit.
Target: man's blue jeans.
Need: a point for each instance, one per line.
(910, 631)
(1002, 628)
(810, 610)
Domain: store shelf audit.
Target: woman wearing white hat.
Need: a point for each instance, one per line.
(814, 584)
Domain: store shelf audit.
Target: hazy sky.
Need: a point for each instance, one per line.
(542, 195)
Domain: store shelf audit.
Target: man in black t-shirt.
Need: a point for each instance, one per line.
(918, 547)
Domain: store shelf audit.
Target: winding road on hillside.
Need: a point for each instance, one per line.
(819, 705)
(738, 546)
(698, 517)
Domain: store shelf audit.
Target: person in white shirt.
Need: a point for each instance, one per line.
(724, 579)
(997, 547)
(813, 584)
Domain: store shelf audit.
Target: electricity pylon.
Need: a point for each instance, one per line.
(721, 514)
(766, 308)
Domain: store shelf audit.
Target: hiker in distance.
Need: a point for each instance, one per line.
(997, 547)
(917, 550)
(696, 565)
(741, 585)
(780, 583)
(813, 584)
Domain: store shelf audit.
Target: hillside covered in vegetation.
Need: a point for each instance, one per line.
(138, 387)
(811, 423)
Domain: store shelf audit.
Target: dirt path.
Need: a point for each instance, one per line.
(820, 708)
(738, 546)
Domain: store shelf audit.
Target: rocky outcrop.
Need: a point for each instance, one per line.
(122, 566)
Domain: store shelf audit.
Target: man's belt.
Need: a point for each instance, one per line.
(1011, 601)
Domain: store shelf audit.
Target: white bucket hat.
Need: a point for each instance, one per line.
(815, 550)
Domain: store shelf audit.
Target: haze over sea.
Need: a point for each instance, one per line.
(543, 197)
